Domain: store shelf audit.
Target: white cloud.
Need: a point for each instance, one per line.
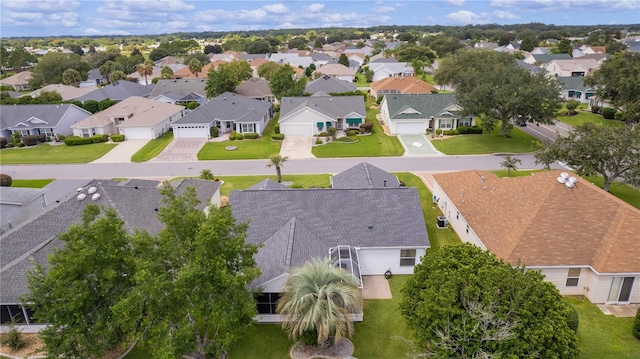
(315, 8)
(149, 6)
(384, 9)
(276, 8)
(504, 15)
(52, 5)
(502, 3)
(465, 17)
(456, 2)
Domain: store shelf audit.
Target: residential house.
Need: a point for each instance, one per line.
(366, 50)
(308, 116)
(383, 70)
(338, 71)
(321, 59)
(533, 69)
(185, 73)
(255, 65)
(419, 113)
(573, 88)
(293, 59)
(256, 88)
(543, 59)
(400, 85)
(485, 45)
(228, 112)
(364, 175)
(19, 81)
(366, 231)
(136, 118)
(571, 67)
(180, 92)
(18, 204)
(540, 50)
(156, 73)
(353, 64)
(329, 84)
(118, 91)
(583, 239)
(137, 203)
(67, 92)
(49, 120)
(94, 79)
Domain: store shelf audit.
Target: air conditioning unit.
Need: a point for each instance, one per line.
(443, 222)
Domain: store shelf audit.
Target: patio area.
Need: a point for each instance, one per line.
(620, 310)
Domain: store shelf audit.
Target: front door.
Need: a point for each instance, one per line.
(620, 291)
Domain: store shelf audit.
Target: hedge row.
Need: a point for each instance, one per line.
(470, 130)
(250, 135)
(100, 138)
(117, 138)
(76, 141)
(277, 136)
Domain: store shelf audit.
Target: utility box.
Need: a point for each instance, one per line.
(443, 222)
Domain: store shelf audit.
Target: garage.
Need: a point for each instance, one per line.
(195, 131)
(411, 127)
(137, 133)
(296, 129)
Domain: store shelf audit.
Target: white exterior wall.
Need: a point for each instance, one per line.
(558, 276)
(376, 261)
(307, 116)
(456, 219)
(72, 116)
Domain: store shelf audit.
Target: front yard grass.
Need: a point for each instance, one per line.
(603, 336)
(153, 148)
(487, 143)
(263, 147)
(45, 153)
(35, 183)
(301, 181)
(377, 144)
(586, 116)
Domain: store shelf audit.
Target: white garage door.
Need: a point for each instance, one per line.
(297, 129)
(138, 133)
(410, 128)
(191, 132)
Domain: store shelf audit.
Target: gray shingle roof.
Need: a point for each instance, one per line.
(532, 68)
(136, 202)
(374, 217)
(268, 184)
(11, 115)
(20, 195)
(573, 83)
(329, 84)
(178, 89)
(331, 106)
(118, 91)
(228, 107)
(364, 175)
(254, 87)
(546, 58)
(428, 105)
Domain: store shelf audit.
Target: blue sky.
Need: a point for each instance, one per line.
(138, 17)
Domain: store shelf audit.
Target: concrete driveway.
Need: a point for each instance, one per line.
(418, 145)
(297, 147)
(123, 152)
(181, 150)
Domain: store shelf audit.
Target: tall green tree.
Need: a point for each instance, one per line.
(318, 299)
(83, 281)
(283, 82)
(71, 77)
(343, 60)
(409, 53)
(617, 81)
(51, 66)
(145, 69)
(109, 68)
(590, 149)
(116, 76)
(195, 66)
(515, 94)
(220, 80)
(459, 288)
(190, 285)
(267, 69)
(166, 72)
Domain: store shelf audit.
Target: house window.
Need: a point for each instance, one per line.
(464, 122)
(573, 277)
(86, 132)
(46, 132)
(267, 303)
(407, 257)
(228, 124)
(248, 127)
(446, 124)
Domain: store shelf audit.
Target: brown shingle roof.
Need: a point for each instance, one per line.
(404, 84)
(541, 222)
(138, 111)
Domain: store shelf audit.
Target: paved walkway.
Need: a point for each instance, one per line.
(123, 152)
(418, 145)
(375, 287)
(181, 150)
(297, 147)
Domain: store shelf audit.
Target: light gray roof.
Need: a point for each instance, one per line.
(364, 175)
(329, 84)
(254, 87)
(532, 68)
(251, 57)
(136, 202)
(19, 195)
(268, 184)
(420, 106)
(546, 58)
(331, 106)
(311, 221)
(228, 107)
(12, 115)
(118, 91)
(178, 89)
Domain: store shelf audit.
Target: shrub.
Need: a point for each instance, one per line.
(595, 109)
(318, 141)
(96, 139)
(276, 129)
(331, 131)
(30, 140)
(608, 113)
(379, 99)
(5, 180)
(76, 141)
(346, 139)
(214, 131)
(367, 127)
(192, 105)
(463, 130)
(572, 319)
(277, 136)
(475, 130)
(13, 338)
(60, 138)
(3, 142)
(232, 135)
(619, 116)
(438, 131)
(117, 138)
(42, 138)
(239, 136)
(571, 106)
(250, 135)
(11, 145)
(20, 144)
(155, 80)
(636, 324)
(352, 133)
(323, 134)
(451, 132)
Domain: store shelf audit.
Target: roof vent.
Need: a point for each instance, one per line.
(81, 196)
(92, 190)
(569, 184)
(96, 196)
(564, 175)
(80, 189)
(561, 179)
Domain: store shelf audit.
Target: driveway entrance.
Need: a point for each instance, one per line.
(181, 150)
(418, 145)
(297, 147)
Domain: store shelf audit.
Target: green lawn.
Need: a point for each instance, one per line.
(47, 154)
(587, 116)
(153, 148)
(263, 147)
(375, 145)
(36, 183)
(302, 181)
(362, 81)
(604, 336)
(518, 142)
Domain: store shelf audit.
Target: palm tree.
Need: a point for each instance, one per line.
(206, 175)
(195, 66)
(277, 161)
(510, 164)
(145, 69)
(418, 67)
(166, 72)
(318, 298)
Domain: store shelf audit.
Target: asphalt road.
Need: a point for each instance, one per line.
(547, 133)
(254, 167)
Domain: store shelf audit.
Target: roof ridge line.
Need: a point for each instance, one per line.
(288, 254)
(366, 170)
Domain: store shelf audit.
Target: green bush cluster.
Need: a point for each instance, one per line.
(250, 135)
(30, 140)
(608, 113)
(60, 138)
(13, 339)
(318, 141)
(595, 109)
(450, 132)
(351, 133)
(323, 134)
(77, 141)
(573, 319)
(619, 116)
(5, 180)
(117, 138)
(346, 139)
(636, 325)
(3, 142)
(214, 131)
(239, 137)
(232, 135)
(276, 129)
(277, 136)
(469, 130)
(331, 131)
(99, 138)
(192, 105)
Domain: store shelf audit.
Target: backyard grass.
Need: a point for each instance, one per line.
(603, 336)
(519, 142)
(362, 81)
(45, 153)
(153, 148)
(263, 147)
(301, 181)
(375, 145)
(36, 183)
(587, 116)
